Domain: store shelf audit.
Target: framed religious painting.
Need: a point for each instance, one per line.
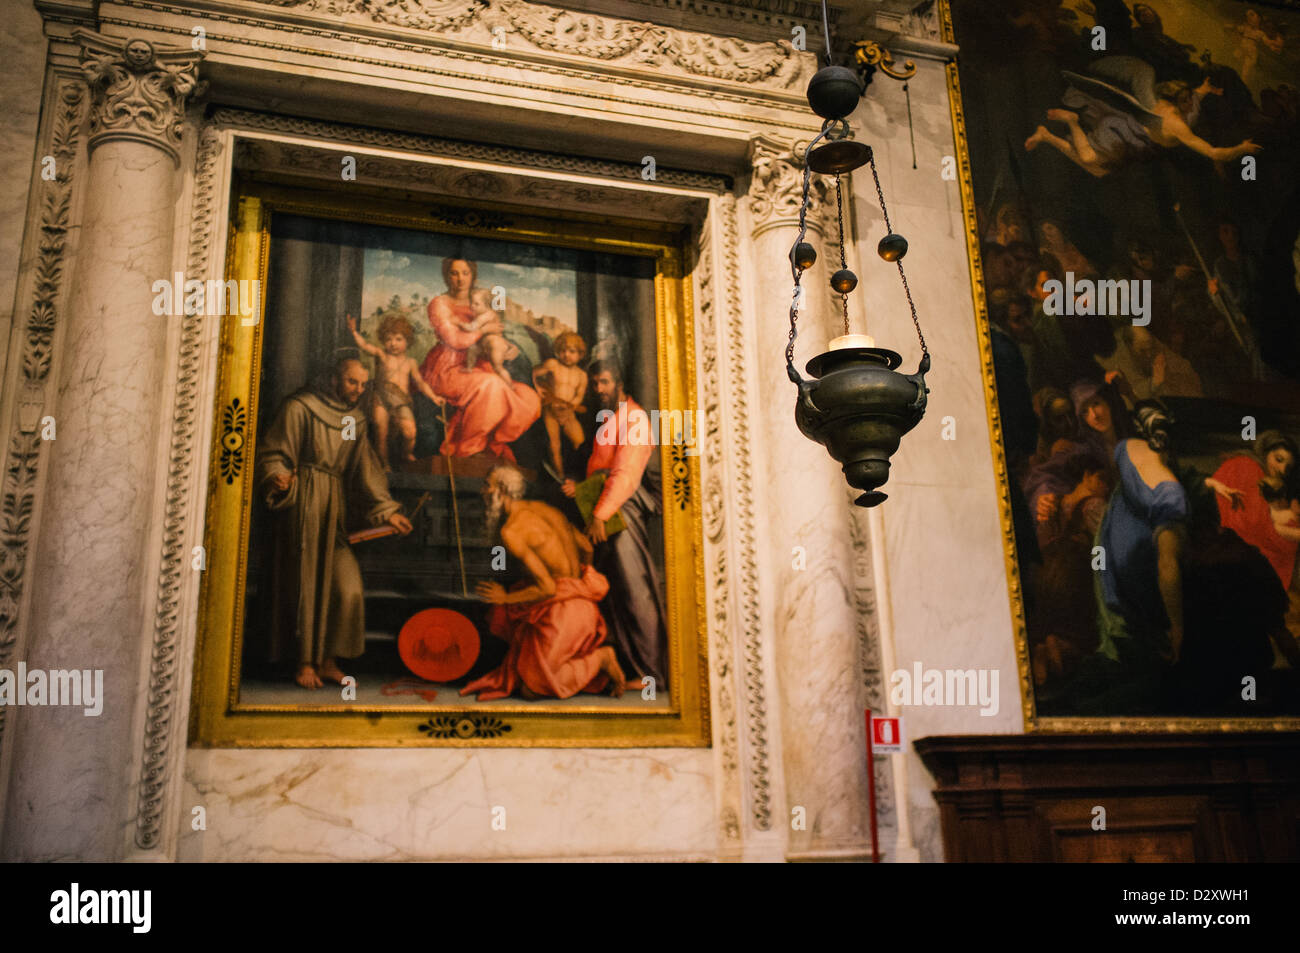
(453, 498)
(1133, 214)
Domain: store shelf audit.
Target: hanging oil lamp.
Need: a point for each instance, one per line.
(856, 403)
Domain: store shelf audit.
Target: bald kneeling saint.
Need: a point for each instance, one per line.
(554, 628)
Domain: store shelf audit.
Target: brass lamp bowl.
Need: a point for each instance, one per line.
(858, 406)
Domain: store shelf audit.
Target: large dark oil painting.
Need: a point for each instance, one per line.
(1135, 183)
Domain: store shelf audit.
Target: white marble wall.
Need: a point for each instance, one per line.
(440, 804)
(942, 534)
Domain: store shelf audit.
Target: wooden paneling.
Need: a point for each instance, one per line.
(1167, 798)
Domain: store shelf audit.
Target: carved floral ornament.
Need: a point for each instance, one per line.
(776, 187)
(138, 90)
(579, 34)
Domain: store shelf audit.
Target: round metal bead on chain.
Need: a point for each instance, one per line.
(892, 247)
(834, 92)
(803, 255)
(843, 281)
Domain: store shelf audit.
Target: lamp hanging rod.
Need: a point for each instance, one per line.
(826, 30)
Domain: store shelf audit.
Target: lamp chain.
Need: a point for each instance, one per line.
(790, 370)
(880, 194)
(839, 203)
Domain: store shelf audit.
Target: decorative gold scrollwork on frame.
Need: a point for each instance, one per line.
(871, 56)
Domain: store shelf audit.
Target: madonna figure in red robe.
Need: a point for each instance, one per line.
(492, 410)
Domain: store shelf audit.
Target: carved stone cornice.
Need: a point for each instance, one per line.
(138, 90)
(339, 133)
(776, 187)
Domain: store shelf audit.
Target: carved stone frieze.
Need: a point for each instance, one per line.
(138, 90)
(440, 15)
(605, 38)
(613, 40)
(285, 157)
(18, 496)
(443, 16)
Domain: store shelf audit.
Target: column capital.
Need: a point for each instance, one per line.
(776, 186)
(138, 89)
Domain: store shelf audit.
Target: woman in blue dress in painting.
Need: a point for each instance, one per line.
(1139, 585)
(1185, 608)
(1143, 537)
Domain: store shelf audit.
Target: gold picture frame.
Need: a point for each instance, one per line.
(218, 718)
(1034, 722)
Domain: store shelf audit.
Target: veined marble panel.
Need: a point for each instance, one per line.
(447, 804)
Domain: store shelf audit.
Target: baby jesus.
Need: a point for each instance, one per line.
(491, 344)
(562, 386)
(395, 371)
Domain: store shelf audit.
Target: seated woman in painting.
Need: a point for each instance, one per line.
(492, 410)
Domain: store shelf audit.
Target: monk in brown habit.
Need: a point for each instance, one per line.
(310, 461)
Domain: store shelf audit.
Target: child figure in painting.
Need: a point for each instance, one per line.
(491, 344)
(395, 371)
(562, 386)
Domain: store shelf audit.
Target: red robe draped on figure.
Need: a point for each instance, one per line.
(553, 643)
(1252, 521)
(491, 412)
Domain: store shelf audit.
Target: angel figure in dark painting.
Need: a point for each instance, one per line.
(1120, 115)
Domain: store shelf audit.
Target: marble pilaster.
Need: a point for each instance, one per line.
(101, 467)
(815, 660)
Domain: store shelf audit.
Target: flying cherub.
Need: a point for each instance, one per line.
(1255, 31)
(1120, 114)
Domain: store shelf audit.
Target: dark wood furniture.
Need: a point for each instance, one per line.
(1167, 797)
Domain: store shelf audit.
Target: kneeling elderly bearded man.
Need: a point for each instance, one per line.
(554, 627)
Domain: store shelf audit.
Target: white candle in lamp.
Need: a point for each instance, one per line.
(852, 340)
